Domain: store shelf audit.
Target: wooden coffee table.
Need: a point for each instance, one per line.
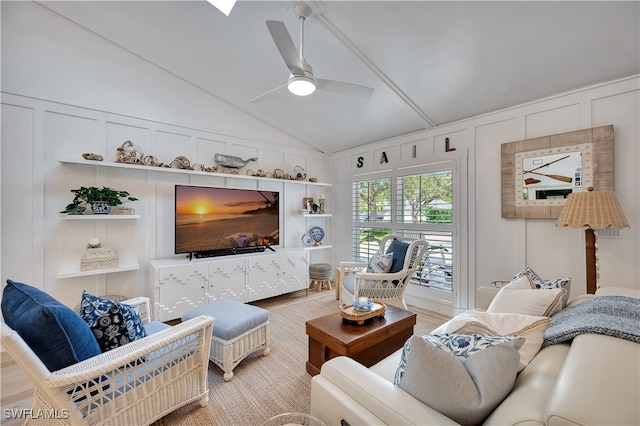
(330, 336)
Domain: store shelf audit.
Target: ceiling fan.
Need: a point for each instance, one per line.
(301, 80)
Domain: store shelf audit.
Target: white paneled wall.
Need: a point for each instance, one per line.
(36, 244)
(500, 247)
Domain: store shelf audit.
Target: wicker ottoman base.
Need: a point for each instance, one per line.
(238, 330)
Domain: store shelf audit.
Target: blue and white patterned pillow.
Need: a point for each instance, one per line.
(459, 345)
(462, 376)
(540, 284)
(113, 323)
(110, 329)
(380, 263)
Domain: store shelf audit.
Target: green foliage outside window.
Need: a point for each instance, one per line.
(427, 197)
(374, 198)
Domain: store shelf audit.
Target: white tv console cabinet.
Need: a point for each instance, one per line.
(179, 285)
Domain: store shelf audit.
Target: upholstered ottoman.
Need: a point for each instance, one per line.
(320, 274)
(238, 330)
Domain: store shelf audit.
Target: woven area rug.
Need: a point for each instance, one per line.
(264, 386)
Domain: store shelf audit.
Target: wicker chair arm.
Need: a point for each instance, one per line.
(353, 264)
(189, 337)
(351, 267)
(143, 306)
(380, 276)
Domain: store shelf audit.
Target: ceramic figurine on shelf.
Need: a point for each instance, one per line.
(94, 243)
(232, 162)
(299, 173)
(307, 203)
(127, 153)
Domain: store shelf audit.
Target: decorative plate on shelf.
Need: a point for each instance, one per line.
(307, 240)
(317, 234)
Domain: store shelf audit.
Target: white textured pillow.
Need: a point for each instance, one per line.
(521, 283)
(518, 297)
(380, 263)
(462, 376)
(528, 326)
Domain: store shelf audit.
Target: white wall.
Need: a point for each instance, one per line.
(66, 91)
(501, 247)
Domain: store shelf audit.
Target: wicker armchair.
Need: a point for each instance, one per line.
(385, 287)
(135, 384)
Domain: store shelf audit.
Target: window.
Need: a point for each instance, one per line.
(422, 208)
(425, 201)
(425, 198)
(372, 213)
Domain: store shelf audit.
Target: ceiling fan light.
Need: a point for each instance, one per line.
(301, 85)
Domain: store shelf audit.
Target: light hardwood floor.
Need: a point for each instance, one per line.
(16, 390)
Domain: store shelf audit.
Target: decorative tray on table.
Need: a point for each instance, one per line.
(352, 313)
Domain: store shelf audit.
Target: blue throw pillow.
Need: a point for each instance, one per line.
(54, 332)
(399, 250)
(113, 324)
(110, 329)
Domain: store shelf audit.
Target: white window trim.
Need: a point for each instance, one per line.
(463, 291)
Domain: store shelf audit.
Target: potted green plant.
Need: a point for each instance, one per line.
(100, 199)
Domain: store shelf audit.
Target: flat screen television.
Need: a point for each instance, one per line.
(212, 221)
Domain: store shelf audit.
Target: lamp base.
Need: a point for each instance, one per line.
(591, 260)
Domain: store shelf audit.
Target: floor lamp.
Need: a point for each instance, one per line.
(593, 210)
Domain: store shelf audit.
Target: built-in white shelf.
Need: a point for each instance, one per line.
(317, 215)
(183, 171)
(125, 265)
(97, 216)
(318, 247)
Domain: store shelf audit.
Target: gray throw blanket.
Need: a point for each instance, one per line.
(617, 316)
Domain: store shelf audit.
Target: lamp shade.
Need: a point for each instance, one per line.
(592, 209)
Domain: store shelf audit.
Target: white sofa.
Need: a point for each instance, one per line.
(594, 380)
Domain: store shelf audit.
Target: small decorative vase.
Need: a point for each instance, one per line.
(100, 207)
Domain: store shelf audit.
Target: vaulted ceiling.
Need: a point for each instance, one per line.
(429, 62)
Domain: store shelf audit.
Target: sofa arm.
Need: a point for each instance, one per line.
(598, 383)
(345, 389)
(484, 296)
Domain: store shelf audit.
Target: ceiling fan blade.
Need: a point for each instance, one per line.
(343, 88)
(286, 47)
(268, 95)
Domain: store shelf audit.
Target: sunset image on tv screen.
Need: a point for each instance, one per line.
(220, 218)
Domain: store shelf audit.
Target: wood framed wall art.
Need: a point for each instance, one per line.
(539, 173)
